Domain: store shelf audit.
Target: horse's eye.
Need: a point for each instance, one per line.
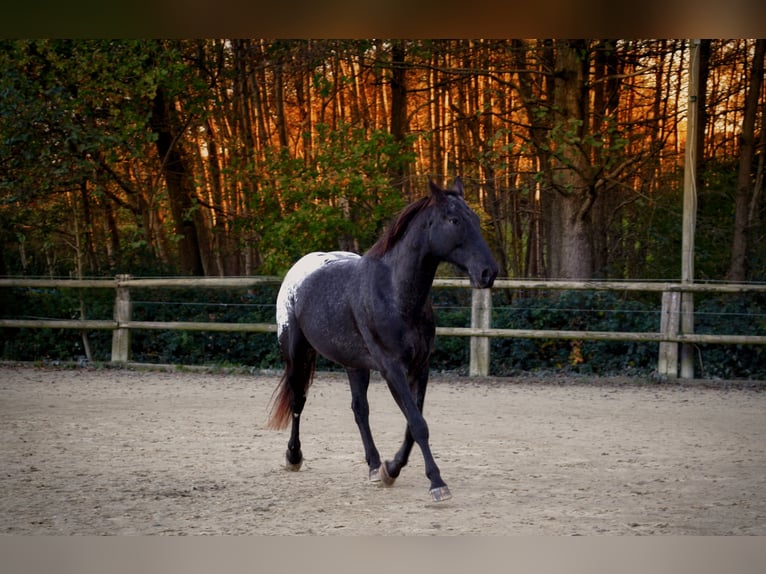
(453, 220)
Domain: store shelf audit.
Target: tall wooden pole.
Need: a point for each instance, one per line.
(690, 210)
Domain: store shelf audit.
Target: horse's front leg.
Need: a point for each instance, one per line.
(418, 383)
(359, 379)
(417, 431)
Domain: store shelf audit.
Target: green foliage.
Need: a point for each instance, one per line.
(56, 121)
(571, 311)
(176, 347)
(662, 219)
(74, 128)
(715, 220)
(452, 308)
(647, 236)
(78, 163)
(595, 311)
(215, 305)
(76, 144)
(341, 199)
(54, 344)
(731, 314)
(67, 108)
(575, 311)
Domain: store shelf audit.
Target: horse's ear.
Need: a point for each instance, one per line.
(457, 186)
(437, 192)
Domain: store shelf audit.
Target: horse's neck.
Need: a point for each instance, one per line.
(413, 274)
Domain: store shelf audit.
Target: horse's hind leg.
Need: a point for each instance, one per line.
(298, 374)
(359, 379)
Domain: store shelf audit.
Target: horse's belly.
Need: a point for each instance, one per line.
(327, 321)
(346, 351)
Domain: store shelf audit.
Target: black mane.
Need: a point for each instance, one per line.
(397, 229)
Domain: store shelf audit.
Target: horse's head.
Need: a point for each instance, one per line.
(455, 235)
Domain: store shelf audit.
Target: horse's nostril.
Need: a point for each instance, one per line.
(488, 276)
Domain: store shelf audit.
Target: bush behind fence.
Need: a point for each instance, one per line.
(568, 310)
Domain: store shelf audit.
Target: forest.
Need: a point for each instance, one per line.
(234, 157)
(230, 157)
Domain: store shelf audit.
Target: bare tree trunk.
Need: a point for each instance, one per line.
(570, 172)
(399, 109)
(218, 228)
(434, 115)
(738, 267)
(702, 111)
(90, 251)
(112, 236)
(247, 150)
(753, 216)
(302, 81)
(79, 271)
(607, 62)
(179, 184)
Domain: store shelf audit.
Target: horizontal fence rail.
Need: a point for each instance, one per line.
(669, 336)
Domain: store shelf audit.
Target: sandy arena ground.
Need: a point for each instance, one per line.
(110, 451)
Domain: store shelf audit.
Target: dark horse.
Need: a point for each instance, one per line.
(374, 312)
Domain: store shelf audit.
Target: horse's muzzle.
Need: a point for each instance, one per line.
(485, 279)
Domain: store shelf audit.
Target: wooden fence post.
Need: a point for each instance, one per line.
(687, 328)
(481, 318)
(123, 311)
(667, 364)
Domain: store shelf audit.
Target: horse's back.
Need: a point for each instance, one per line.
(296, 278)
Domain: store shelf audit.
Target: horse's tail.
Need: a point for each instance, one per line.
(281, 405)
(280, 410)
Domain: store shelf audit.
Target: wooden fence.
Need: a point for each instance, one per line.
(670, 336)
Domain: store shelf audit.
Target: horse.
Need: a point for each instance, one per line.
(373, 312)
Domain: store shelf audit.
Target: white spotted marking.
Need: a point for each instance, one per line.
(304, 267)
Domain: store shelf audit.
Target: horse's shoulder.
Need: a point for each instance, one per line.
(374, 292)
(375, 275)
(374, 264)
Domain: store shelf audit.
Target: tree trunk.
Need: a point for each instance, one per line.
(279, 101)
(575, 238)
(112, 235)
(399, 110)
(90, 251)
(606, 99)
(570, 171)
(702, 112)
(179, 184)
(738, 266)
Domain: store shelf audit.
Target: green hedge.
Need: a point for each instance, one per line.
(54, 344)
(601, 311)
(574, 310)
(254, 305)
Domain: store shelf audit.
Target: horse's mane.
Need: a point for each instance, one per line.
(397, 229)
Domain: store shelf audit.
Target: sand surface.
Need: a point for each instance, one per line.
(109, 451)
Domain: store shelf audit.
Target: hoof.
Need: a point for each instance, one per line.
(375, 474)
(384, 476)
(440, 493)
(293, 466)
